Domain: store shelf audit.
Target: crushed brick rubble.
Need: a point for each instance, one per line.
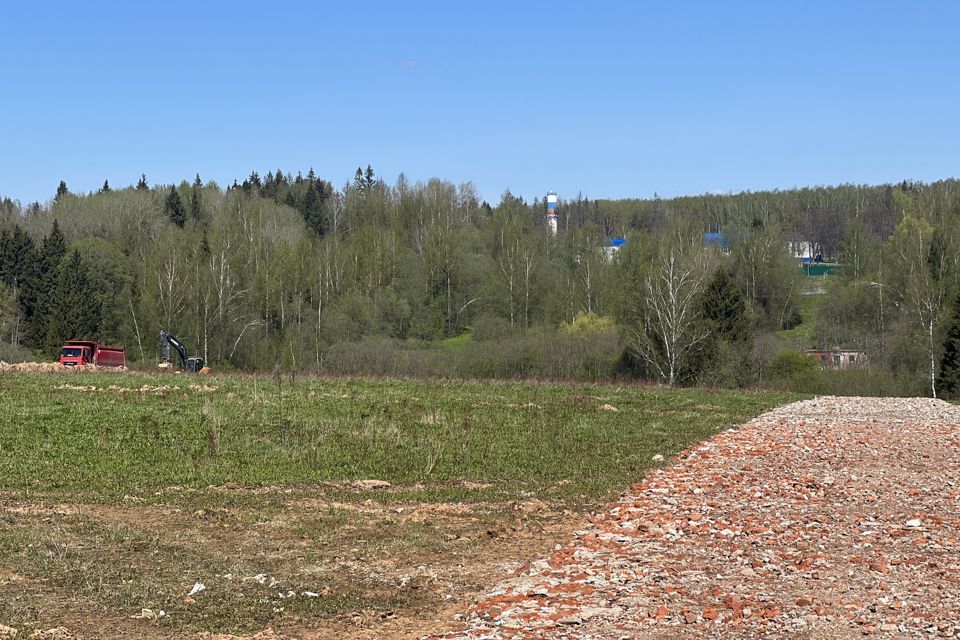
(827, 518)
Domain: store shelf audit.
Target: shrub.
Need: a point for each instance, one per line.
(13, 354)
(874, 381)
(383, 357)
(794, 371)
(488, 327)
(588, 324)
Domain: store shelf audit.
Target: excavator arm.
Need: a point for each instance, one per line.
(168, 340)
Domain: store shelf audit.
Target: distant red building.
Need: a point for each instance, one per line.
(838, 358)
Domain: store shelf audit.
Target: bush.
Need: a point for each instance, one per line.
(383, 357)
(874, 381)
(488, 327)
(543, 354)
(588, 324)
(13, 354)
(794, 371)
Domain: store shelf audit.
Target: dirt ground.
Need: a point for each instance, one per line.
(304, 562)
(831, 518)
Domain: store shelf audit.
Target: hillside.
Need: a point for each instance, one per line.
(289, 271)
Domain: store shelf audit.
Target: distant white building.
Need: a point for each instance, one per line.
(612, 247)
(801, 249)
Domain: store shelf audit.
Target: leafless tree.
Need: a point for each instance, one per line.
(676, 279)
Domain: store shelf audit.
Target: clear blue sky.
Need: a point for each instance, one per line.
(615, 99)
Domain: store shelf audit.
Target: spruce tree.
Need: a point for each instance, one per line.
(368, 179)
(53, 247)
(312, 209)
(106, 187)
(27, 278)
(948, 382)
(18, 257)
(74, 306)
(196, 203)
(725, 309)
(722, 355)
(61, 191)
(358, 182)
(175, 209)
(252, 185)
(142, 183)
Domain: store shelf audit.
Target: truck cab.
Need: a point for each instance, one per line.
(75, 355)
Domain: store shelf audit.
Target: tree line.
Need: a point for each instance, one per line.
(289, 270)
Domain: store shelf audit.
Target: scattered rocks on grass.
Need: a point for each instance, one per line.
(150, 614)
(58, 633)
(370, 485)
(833, 517)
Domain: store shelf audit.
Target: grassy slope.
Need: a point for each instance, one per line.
(801, 336)
(256, 431)
(106, 507)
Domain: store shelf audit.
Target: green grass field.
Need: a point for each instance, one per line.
(801, 336)
(120, 491)
(104, 442)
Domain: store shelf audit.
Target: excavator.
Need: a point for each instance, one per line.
(190, 364)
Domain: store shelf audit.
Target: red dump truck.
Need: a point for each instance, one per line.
(78, 352)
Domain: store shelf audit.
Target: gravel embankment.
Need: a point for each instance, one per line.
(828, 518)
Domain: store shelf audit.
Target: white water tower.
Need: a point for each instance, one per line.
(552, 212)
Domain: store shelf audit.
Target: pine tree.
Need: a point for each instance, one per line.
(61, 191)
(175, 209)
(142, 184)
(948, 382)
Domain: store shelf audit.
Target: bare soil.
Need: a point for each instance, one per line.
(268, 558)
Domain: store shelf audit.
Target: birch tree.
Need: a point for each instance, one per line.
(668, 329)
(922, 281)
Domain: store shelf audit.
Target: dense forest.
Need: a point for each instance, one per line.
(427, 279)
